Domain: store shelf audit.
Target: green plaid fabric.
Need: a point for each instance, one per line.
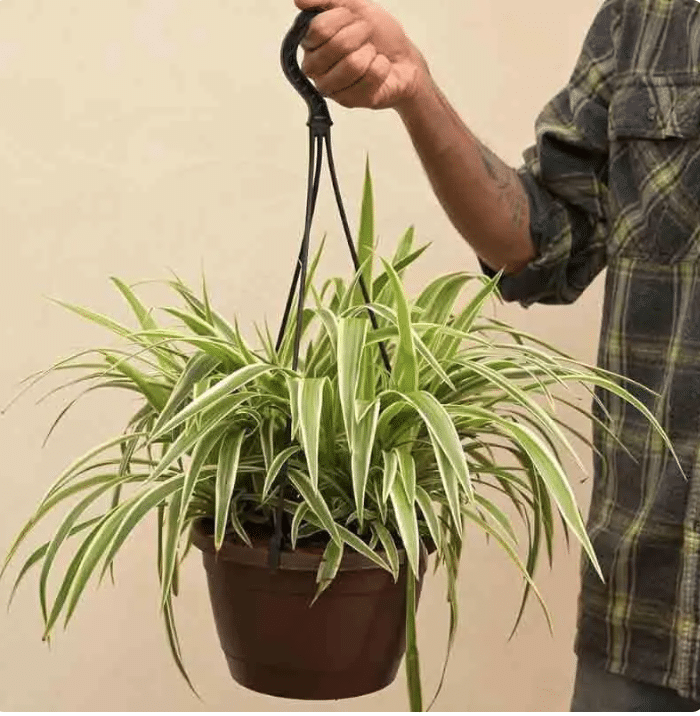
(614, 182)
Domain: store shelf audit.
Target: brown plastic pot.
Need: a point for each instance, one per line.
(349, 643)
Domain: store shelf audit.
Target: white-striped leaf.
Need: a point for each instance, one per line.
(352, 333)
(64, 530)
(405, 368)
(391, 466)
(443, 433)
(316, 502)
(407, 523)
(328, 569)
(276, 466)
(189, 437)
(510, 551)
(365, 241)
(431, 518)
(197, 368)
(226, 472)
(222, 388)
(116, 525)
(552, 473)
(299, 515)
(293, 386)
(310, 407)
(354, 542)
(432, 360)
(236, 522)
(203, 448)
(362, 444)
(450, 484)
(389, 546)
(407, 468)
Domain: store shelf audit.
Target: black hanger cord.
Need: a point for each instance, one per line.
(319, 135)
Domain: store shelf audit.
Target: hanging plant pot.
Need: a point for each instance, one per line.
(349, 643)
(409, 446)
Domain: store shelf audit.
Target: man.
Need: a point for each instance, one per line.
(613, 181)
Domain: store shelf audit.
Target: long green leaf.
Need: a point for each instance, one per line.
(174, 643)
(438, 298)
(299, 515)
(443, 433)
(203, 448)
(38, 555)
(465, 320)
(142, 314)
(98, 318)
(612, 387)
(328, 569)
(197, 325)
(405, 245)
(69, 577)
(354, 542)
(317, 504)
(498, 515)
(391, 466)
(310, 409)
(392, 554)
(293, 386)
(236, 522)
(276, 466)
(127, 517)
(431, 518)
(197, 369)
(352, 333)
(381, 285)
(222, 388)
(366, 240)
(227, 470)
(450, 485)
(405, 368)
(188, 438)
(452, 559)
(146, 321)
(155, 393)
(508, 548)
(554, 478)
(49, 498)
(114, 527)
(412, 657)
(407, 523)
(522, 398)
(64, 530)
(362, 444)
(432, 360)
(407, 469)
(171, 544)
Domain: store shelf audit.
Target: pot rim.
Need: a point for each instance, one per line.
(297, 560)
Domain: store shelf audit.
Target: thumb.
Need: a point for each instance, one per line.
(316, 4)
(329, 4)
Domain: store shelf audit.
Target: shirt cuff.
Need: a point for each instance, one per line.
(539, 281)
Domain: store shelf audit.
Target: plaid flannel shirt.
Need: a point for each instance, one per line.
(613, 182)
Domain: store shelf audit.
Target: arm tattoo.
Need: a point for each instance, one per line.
(506, 180)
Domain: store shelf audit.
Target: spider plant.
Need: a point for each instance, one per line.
(462, 430)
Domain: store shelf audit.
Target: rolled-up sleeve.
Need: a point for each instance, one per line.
(565, 176)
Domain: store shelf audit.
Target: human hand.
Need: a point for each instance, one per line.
(359, 55)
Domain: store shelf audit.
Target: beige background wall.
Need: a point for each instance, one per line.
(137, 135)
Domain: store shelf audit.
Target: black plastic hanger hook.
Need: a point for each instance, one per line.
(319, 116)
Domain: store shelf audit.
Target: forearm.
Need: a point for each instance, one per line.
(483, 197)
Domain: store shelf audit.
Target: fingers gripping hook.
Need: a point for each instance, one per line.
(319, 116)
